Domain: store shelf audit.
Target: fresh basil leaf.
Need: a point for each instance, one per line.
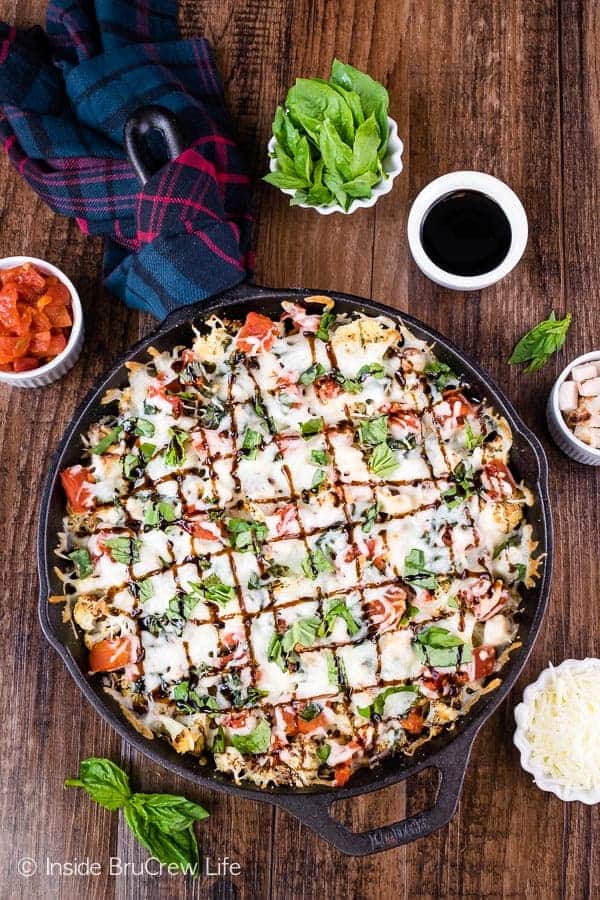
(169, 811)
(110, 438)
(147, 451)
(318, 479)
(323, 752)
(131, 466)
(252, 441)
(303, 631)
(537, 346)
(512, 541)
(373, 431)
(246, 536)
(438, 638)
(409, 614)
(361, 187)
(382, 461)
(144, 427)
(312, 426)
(319, 457)
(309, 712)
(82, 561)
(374, 98)
(376, 708)
(105, 782)
(177, 848)
(327, 320)
(521, 572)
(374, 369)
(216, 591)
(473, 440)
(442, 374)
(365, 158)
(218, 744)
(124, 550)
(312, 373)
(332, 669)
(338, 610)
(312, 102)
(176, 453)
(275, 651)
(145, 590)
(416, 573)
(369, 518)
(210, 416)
(258, 741)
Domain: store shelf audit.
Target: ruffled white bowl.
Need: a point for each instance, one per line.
(522, 718)
(560, 431)
(392, 166)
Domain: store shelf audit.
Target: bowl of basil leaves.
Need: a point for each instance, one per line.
(334, 148)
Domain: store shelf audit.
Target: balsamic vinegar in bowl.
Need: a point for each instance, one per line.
(466, 233)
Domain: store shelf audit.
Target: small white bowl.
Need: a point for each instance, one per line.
(61, 364)
(392, 166)
(522, 717)
(560, 431)
(492, 187)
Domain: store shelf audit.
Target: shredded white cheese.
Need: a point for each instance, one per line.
(564, 728)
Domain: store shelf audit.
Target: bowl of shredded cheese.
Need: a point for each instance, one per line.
(558, 730)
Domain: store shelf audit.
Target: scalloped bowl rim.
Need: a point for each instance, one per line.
(563, 792)
(592, 356)
(392, 165)
(7, 262)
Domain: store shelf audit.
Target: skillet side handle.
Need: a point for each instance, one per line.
(316, 811)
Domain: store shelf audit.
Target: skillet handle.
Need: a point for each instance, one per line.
(316, 811)
(139, 125)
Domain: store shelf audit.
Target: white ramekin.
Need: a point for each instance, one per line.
(392, 166)
(467, 181)
(560, 431)
(522, 717)
(61, 364)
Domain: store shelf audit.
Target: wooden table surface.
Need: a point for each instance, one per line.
(510, 87)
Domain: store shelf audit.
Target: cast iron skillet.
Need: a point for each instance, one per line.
(448, 752)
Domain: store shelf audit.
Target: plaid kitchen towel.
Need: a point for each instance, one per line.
(65, 95)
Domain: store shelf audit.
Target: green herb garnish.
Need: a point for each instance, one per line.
(162, 823)
(312, 373)
(251, 443)
(246, 536)
(338, 610)
(473, 440)
(258, 741)
(373, 431)
(416, 573)
(175, 454)
(376, 708)
(313, 426)
(327, 320)
(537, 346)
(108, 440)
(319, 457)
(82, 561)
(369, 518)
(442, 374)
(124, 550)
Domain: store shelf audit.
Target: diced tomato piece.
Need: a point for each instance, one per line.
(236, 719)
(343, 771)
(203, 531)
(12, 347)
(27, 274)
(319, 721)
(40, 321)
(76, 483)
(58, 342)
(40, 342)
(327, 388)
(9, 313)
(113, 653)
(25, 363)
(287, 521)
(255, 334)
(413, 722)
(59, 293)
(25, 318)
(291, 721)
(484, 660)
(59, 315)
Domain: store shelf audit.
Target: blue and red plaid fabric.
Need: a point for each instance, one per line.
(65, 95)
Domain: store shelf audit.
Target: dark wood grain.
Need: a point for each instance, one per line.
(511, 88)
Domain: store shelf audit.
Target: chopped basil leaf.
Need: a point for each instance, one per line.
(303, 631)
(144, 427)
(147, 451)
(410, 613)
(309, 712)
(473, 440)
(218, 744)
(131, 466)
(375, 369)
(373, 431)
(382, 461)
(319, 457)
(319, 560)
(258, 741)
(327, 320)
(145, 591)
(521, 572)
(439, 638)
(376, 708)
(176, 454)
(124, 550)
(369, 518)
(252, 441)
(82, 561)
(416, 573)
(313, 426)
(108, 440)
(338, 610)
(332, 669)
(318, 479)
(511, 541)
(275, 651)
(245, 536)
(312, 373)
(323, 752)
(210, 416)
(462, 488)
(442, 374)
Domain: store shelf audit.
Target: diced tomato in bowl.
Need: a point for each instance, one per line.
(40, 322)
